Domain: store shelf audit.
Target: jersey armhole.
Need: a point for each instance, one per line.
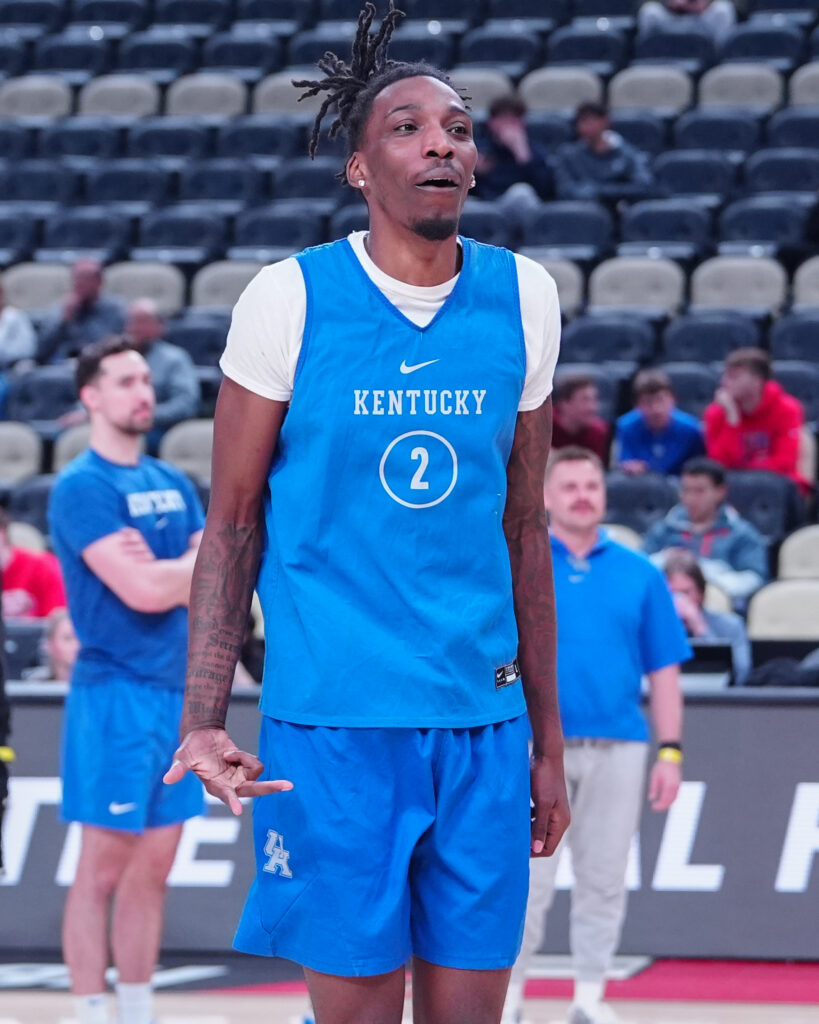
(308, 316)
(513, 271)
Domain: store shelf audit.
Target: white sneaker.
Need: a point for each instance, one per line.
(602, 1013)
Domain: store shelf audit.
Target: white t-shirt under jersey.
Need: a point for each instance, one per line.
(265, 334)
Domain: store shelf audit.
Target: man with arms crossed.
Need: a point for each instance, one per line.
(617, 623)
(126, 529)
(405, 577)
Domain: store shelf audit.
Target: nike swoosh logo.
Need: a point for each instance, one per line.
(116, 808)
(418, 366)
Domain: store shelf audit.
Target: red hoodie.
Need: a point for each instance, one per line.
(767, 438)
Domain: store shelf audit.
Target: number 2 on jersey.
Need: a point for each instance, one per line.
(418, 483)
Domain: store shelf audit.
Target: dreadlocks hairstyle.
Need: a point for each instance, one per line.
(354, 86)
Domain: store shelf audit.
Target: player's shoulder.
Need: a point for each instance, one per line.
(535, 283)
(271, 280)
(636, 562)
(83, 469)
(157, 469)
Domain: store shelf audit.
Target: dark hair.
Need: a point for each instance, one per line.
(702, 466)
(756, 360)
(590, 109)
(573, 453)
(354, 86)
(683, 562)
(508, 103)
(88, 364)
(569, 383)
(651, 382)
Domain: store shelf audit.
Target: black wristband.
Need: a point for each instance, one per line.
(671, 745)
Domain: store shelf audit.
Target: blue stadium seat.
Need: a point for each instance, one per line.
(353, 217)
(671, 228)
(707, 176)
(38, 186)
(768, 500)
(259, 138)
(248, 53)
(602, 338)
(270, 233)
(194, 18)
(307, 47)
(602, 50)
(709, 129)
(780, 46)
(611, 380)
(573, 230)
(484, 222)
(33, 18)
(800, 378)
(457, 16)
(642, 129)
(548, 129)
(80, 140)
(760, 225)
(415, 42)
(638, 501)
(513, 50)
(28, 502)
(694, 385)
(23, 646)
(619, 14)
(814, 44)
(132, 187)
(116, 18)
(284, 16)
(157, 54)
(13, 54)
(802, 13)
(74, 55)
(226, 185)
(171, 141)
(201, 333)
(180, 234)
(783, 170)
(796, 336)
(303, 178)
(793, 126)
(18, 231)
(15, 141)
(95, 232)
(707, 337)
(42, 394)
(679, 46)
(540, 19)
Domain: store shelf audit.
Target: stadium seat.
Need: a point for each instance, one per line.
(219, 285)
(513, 50)
(21, 453)
(645, 284)
(274, 232)
(225, 185)
(806, 285)
(694, 385)
(624, 535)
(707, 337)
(739, 282)
(638, 501)
(195, 18)
(618, 13)
(157, 54)
(38, 187)
(799, 555)
(353, 217)
(567, 276)
(642, 129)
(800, 378)
(41, 394)
(260, 139)
(18, 232)
(24, 535)
(484, 222)
(93, 232)
(277, 95)
(415, 42)
(201, 333)
(678, 46)
(573, 230)
(303, 178)
(560, 89)
(31, 19)
(760, 225)
(80, 141)
(768, 500)
(666, 91)
(727, 131)
(170, 142)
(248, 54)
(13, 54)
(780, 46)
(34, 97)
(785, 610)
(76, 56)
(116, 18)
(123, 96)
(309, 46)
(131, 187)
(180, 234)
(457, 16)
(482, 85)
(794, 126)
(803, 87)
(751, 87)
(188, 446)
(790, 11)
(547, 129)
(206, 94)
(163, 283)
(796, 336)
(22, 647)
(599, 339)
(15, 141)
(601, 50)
(701, 176)
(282, 16)
(671, 228)
(35, 287)
(28, 501)
(541, 20)
(69, 444)
(783, 170)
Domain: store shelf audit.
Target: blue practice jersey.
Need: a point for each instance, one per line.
(91, 499)
(385, 582)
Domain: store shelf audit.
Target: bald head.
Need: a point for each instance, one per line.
(86, 279)
(143, 324)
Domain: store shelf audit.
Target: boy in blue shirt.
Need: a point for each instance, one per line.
(656, 437)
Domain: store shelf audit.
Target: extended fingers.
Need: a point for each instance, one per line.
(251, 764)
(263, 788)
(174, 773)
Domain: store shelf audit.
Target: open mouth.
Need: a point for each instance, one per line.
(441, 183)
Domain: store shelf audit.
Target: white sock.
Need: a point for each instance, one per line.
(513, 1004)
(588, 994)
(134, 1003)
(91, 1009)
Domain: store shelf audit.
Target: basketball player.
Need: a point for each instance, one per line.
(126, 529)
(390, 393)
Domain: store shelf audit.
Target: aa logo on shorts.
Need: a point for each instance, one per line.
(278, 857)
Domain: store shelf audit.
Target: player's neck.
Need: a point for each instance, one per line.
(578, 542)
(114, 445)
(405, 256)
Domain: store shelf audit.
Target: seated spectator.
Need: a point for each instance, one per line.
(687, 584)
(32, 581)
(511, 168)
(753, 423)
(656, 437)
(87, 314)
(732, 554)
(576, 417)
(17, 338)
(715, 18)
(600, 165)
(60, 648)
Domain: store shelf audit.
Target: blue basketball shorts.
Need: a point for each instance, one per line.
(119, 738)
(393, 842)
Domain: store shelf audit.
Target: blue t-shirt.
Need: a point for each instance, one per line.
(91, 499)
(666, 451)
(616, 621)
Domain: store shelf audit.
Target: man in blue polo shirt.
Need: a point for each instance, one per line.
(617, 623)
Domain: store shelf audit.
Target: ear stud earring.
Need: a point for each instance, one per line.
(361, 183)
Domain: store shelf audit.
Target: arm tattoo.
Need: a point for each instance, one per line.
(221, 593)
(530, 557)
